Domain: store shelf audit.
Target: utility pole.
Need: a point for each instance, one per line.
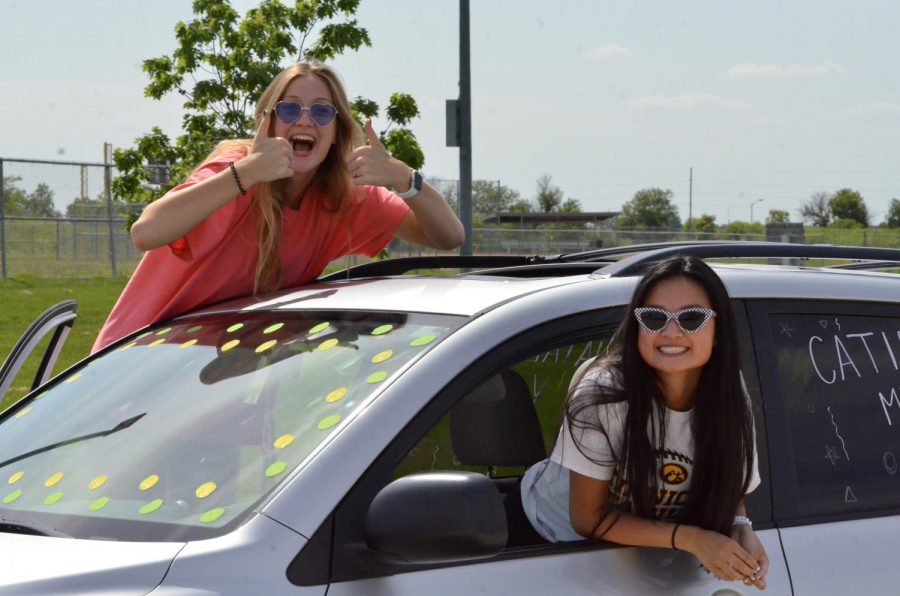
(691, 195)
(465, 129)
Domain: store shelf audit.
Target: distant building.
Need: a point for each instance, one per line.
(535, 219)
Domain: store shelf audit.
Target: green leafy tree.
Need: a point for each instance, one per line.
(743, 227)
(816, 211)
(650, 208)
(893, 215)
(778, 216)
(706, 223)
(522, 206)
(849, 204)
(489, 197)
(846, 224)
(221, 65)
(14, 198)
(17, 202)
(570, 205)
(549, 196)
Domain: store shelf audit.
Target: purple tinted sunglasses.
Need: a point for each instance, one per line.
(289, 112)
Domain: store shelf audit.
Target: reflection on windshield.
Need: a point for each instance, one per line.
(176, 434)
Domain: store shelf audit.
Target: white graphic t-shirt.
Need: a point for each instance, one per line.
(545, 486)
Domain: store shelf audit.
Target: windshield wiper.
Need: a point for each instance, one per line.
(11, 526)
(103, 433)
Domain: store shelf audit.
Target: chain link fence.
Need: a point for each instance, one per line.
(58, 219)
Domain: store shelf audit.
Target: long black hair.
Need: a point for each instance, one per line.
(722, 422)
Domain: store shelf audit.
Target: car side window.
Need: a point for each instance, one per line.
(835, 378)
(508, 421)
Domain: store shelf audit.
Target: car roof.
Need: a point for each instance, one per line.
(381, 285)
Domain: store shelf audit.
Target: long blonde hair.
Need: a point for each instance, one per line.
(332, 180)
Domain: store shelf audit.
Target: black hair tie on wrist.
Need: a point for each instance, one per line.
(236, 177)
(675, 529)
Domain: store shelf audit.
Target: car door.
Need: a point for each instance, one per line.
(830, 381)
(540, 364)
(58, 320)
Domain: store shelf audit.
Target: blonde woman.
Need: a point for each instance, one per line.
(273, 211)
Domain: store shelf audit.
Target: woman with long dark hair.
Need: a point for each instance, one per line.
(657, 447)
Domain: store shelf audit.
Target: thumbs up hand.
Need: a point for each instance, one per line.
(269, 159)
(373, 165)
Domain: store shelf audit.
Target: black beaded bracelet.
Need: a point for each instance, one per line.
(236, 177)
(675, 529)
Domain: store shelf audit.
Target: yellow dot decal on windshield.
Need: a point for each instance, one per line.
(376, 377)
(151, 506)
(144, 334)
(163, 331)
(230, 344)
(53, 499)
(16, 477)
(382, 329)
(97, 482)
(12, 496)
(99, 504)
(158, 342)
(54, 480)
(212, 515)
(382, 356)
(319, 327)
(194, 329)
(276, 469)
(265, 346)
(188, 344)
(273, 328)
(73, 378)
(23, 412)
(205, 489)
(127, 347)
(235, 327)
(328, 422)
(283, 441)
(327, 344)
(336, 395)
(422, 341)
(148, 482)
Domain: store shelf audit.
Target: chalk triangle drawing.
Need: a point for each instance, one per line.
(823, 324)
(849, 497)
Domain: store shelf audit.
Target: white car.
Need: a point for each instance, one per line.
(359, 435)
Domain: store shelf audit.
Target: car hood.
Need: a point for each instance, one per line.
(50, 565)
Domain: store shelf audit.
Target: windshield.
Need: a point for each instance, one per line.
(177, 433)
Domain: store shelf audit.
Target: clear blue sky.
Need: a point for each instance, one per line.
(766, 100)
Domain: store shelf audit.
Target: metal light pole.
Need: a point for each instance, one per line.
(751, 208)
(465, 129)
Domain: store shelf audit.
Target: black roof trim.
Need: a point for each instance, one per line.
(636, 257)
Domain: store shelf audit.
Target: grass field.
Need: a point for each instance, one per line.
(23, 298)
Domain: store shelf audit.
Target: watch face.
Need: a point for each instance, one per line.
(417, 180)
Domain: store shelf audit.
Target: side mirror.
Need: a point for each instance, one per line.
(437, 517)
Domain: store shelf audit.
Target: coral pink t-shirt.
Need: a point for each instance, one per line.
(216, 260)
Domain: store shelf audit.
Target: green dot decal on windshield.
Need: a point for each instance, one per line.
(328, 422)
(319, 328)
(235, 327)
(99, 504)
(151, 506)
(273, 328)
(382, 329)
(12, 496)
(194, 329)
(275, 469)
(212, 515)
(376, 377)
(422, 341)
(53, 499)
